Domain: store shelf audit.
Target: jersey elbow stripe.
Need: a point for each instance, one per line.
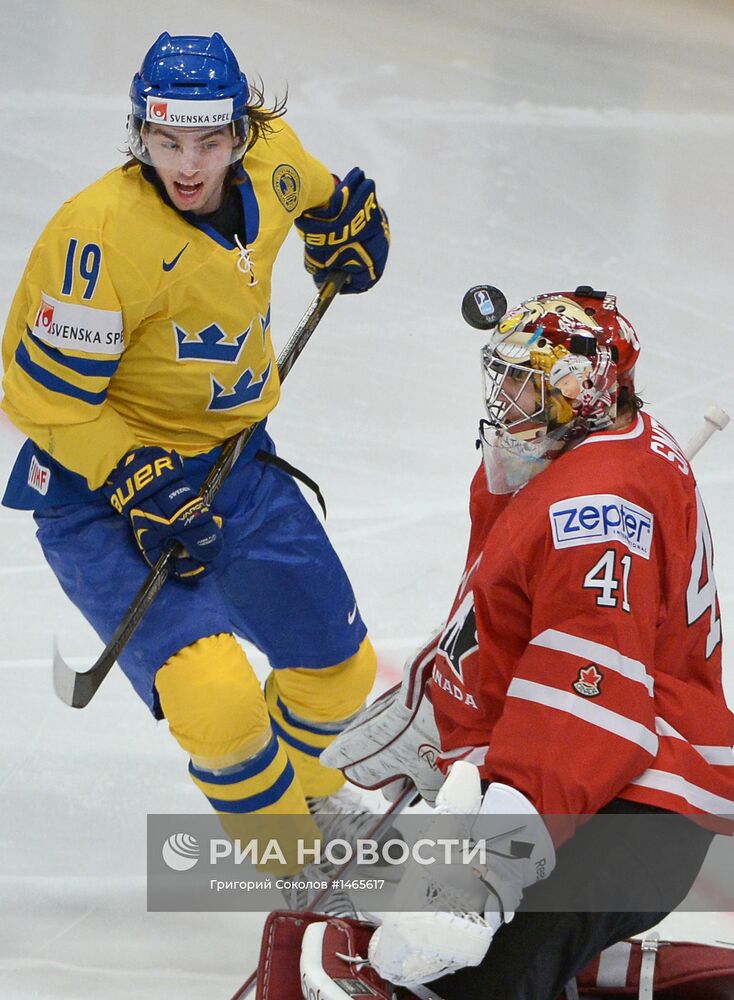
(595, 652)
(720, 756)
(694, 795)
(52, 382)
(595, 715)
(82, 366)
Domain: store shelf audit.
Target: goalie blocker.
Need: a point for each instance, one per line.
(305, 955)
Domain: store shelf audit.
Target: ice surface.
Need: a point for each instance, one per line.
(529, 144)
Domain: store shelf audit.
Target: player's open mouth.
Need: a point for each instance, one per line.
(188, 192)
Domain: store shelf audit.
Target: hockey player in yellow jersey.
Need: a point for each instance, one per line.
(137, 342)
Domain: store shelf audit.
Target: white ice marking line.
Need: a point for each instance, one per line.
(45, 662)
(523, 113)
(54, 937)
(185, 975)
(31, 741)
(15, 570)
(42, 103)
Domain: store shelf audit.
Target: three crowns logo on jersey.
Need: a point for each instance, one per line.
(211, 344)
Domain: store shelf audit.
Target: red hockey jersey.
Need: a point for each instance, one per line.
(582, 656)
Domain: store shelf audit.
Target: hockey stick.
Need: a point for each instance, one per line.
(715, 420)
(78, 689)
(380, 826)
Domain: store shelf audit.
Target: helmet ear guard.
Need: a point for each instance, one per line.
(188, 81)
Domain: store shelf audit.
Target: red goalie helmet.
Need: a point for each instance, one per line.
(553, 372)
(557, 316)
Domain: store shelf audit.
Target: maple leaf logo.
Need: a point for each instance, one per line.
(588, 681)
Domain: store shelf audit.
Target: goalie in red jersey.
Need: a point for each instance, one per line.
(577, 679)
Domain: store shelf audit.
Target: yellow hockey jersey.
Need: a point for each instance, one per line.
(134, 325)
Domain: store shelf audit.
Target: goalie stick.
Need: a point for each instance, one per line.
(381, 826)
(715, 419)
(77, 689)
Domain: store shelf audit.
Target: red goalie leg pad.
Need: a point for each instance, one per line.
(310, 955)
(664, 970)
(278, 975)
(333, 966)
(307, 954)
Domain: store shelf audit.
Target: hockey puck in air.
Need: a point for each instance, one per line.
(483, 306)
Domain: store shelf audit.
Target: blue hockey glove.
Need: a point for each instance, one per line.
(149, 487)
(349, 234)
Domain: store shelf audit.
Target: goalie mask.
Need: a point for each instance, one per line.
(553, 372)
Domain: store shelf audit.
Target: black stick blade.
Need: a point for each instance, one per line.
(483, 306)
(74, 689)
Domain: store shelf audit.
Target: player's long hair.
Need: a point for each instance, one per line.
(260, 122)
(629, 401)
(261, 118)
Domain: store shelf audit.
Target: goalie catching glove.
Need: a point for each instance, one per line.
(148, 486)
(349, 234)
(450, 912)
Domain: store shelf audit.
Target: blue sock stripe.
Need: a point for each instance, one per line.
(249, 769)
(325, 729)
(251, 803)
(293, 742)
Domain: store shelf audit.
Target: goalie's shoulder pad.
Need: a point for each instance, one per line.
(396, 736)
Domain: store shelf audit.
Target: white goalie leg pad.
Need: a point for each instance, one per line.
(332, 968)
(394, 737)
(315, 980)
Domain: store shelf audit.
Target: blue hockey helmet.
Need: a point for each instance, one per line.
(189, 81)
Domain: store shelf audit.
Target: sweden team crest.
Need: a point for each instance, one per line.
(287, 185)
